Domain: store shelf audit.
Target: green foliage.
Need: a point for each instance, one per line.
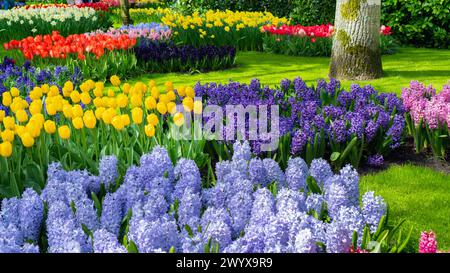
(422, 23)
(313, 12)
(277, 7)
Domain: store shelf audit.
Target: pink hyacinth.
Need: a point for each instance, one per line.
(423, 103)
(428, 243)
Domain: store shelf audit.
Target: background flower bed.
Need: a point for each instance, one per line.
(22, 22)
(313, 40)
(168, 57)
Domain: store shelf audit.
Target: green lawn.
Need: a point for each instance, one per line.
(426, 65)
(419, 195)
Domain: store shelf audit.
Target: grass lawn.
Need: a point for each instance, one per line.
(419, 195)
(426, 65)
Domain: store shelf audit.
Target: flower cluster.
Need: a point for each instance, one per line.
(152, 31)
(91, 120)
(240, 29)
(23, 22)
(168, 57)
(324, 118)
(428, 116)
(57, 46)
(25, 77)
(427, 243)
(311, 40)
(319, 31)
(97, 6)
(170, 210)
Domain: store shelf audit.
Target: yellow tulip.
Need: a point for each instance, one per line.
(149, 130)
(99, 112)
(190, 92)
(198, 107)
(171, 95)
(117, 122)
(68, 86)
(6, 99)
(150, 103)
(51, 109)
(22, 115)
(136, 101)
(155, 92)
(115, 81)
(9, 123)
(188, 104)
(78, 123)
(64, 132)
(77, 111)
(122, 101)
(33, 129)
(151, 84)
(137, 115)
(89, 119)
(50, 127)
(86, 98)
(169, 86)
(171, 107)
(125, 119)
(99, 86)
(162, 108)
(36, 107)
(6, 149)
(67, 111)
(152, 119)
(7, 135)
(181, 91)
(98, 102)
(75, 96)
(27, 140)
(98, 93)
(178, 119)
(85, 87)
(45, 88)
(126, 88)
(2, 115)
(14, 92)
(111, 93)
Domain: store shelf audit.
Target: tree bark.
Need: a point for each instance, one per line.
(356, 53)
(125, 12)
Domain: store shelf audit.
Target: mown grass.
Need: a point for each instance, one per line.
(419, 195)
(431, 66)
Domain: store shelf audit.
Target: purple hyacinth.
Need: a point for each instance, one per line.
(242, 151)
(320, 170)
(108, 170)
(373, 209)
(375, 160)
(31, 214)
(106, 242)
(315, 202)
(296, 173)
(189, 210)
(112, 212)
(274, 172)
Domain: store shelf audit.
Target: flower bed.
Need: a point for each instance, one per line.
(168, 57)
(22, 22)
(25, 77)
(165, 208)
(98, 56)
(428, 117)
(152, 31)
(322, 121)
(312, 40)
(75, 126)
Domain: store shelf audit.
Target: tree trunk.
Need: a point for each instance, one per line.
(125, 12)
(356, 51)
